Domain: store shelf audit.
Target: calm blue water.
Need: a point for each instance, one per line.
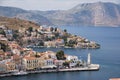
(108, 56)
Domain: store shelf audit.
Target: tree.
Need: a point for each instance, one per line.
(60, 55)
(66, 64)
(30, 29)
(78, 64)
(2, 32)
(51, 29)
(65, 30)
(4, 47)
(71, 43)
(55, 29)
(56, 34)
(15, 35)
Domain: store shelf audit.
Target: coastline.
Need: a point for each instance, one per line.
(65, 47)
(91, 67)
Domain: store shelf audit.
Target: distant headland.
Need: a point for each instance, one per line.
(86, 14)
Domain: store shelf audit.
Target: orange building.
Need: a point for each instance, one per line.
(114, 79)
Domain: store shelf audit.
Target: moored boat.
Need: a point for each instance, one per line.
(20, 73)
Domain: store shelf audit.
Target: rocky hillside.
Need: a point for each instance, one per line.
(23, 14)
(88, 14)
(15, 23)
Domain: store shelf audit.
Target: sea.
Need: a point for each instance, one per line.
(108, 56)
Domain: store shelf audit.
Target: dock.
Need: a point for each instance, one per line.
(91, 67)
(95, 68)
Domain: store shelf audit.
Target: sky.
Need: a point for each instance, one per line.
(48, 4)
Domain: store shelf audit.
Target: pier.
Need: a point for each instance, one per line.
(91, 67)
(85, 67)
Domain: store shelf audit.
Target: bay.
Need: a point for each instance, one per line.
(108, 56)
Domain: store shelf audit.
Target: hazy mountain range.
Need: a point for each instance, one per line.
(88, 14)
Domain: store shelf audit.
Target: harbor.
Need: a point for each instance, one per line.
(92, 67)
(71, 67)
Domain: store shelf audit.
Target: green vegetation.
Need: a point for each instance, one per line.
(65, 30)
(78, 64)
(56, 34)
(15, 36)
(71, 43)
(30, 29)
(4, 47)
(55, 29)
(15, 23)
(51, 29)
(2, 32)
(60, 55)
(66, 64)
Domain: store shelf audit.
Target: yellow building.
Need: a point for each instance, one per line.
(31, 63)
(41, 62)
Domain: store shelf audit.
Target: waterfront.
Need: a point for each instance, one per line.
(91, 67)
(108, 56)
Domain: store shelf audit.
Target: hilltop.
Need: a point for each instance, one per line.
(86, 14)
(16, 23)
(28, 33)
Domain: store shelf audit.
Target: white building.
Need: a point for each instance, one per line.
(73, 60)
(16, 51)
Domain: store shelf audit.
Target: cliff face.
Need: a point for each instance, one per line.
(88, 14)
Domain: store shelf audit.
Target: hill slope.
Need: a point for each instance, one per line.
(88, 14)
(23, 14)
(15, 23)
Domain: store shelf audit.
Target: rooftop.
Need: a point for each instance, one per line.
(29, 58)
(114, 79)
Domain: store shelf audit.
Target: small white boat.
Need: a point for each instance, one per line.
(20, 73)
